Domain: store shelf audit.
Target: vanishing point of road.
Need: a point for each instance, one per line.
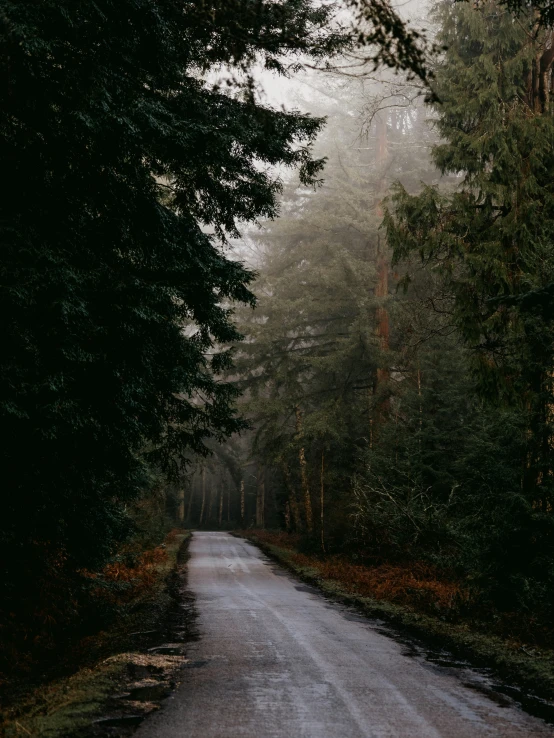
(277, 660)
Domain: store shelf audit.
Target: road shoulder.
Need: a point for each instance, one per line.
(528, 677)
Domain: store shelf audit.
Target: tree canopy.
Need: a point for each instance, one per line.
(128, 168)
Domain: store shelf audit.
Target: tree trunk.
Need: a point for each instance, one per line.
(322, 500)
(202, 509)
(381, 139)
(382, 286)
(370, 394)
(382, 290)
(420, 406)
(293, 500)
(260, 499)
(191, 497)
(545, 72)
(304, 474)
(181, 511)
(242, 510)
(306, 490)
(220, 520)
(211, 505)
(541, 81)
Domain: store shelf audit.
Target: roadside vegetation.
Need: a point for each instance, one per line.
(69, 689)
(413, 600)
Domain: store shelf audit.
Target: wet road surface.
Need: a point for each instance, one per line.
(277, 660)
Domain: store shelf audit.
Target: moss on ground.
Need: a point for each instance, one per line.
(67, 705)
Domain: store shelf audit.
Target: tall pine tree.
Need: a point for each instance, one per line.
(127, 170)
(491, 240)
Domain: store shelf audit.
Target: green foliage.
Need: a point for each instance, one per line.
(489, 245)
(312, 346)
(395, 43)
(127, 171)
(491, 239)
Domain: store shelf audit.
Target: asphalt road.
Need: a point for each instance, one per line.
(277, 660)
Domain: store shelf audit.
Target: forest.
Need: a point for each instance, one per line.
(284, 269)
(396, 372)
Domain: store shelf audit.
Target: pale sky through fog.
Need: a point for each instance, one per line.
(279, 91)
(297, 92)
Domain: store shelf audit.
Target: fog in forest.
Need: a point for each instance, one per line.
(324, 281)
(386, 371)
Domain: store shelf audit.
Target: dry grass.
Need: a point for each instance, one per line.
(139, 577)
(415, 584)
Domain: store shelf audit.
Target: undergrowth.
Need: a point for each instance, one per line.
(414, 584)
(417, 584)
(409, 597)
(66, 703)
(54, 640)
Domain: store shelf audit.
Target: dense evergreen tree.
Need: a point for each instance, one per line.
(127, 170)
(492, 238)
(491, 243)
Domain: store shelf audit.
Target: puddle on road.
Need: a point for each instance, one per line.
(199, 663)
(353, 617)
(306, 588)
(496, 697)
(276, 569)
